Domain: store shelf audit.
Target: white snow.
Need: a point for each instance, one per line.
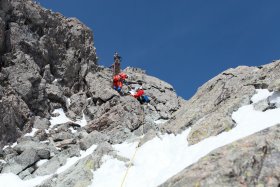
(160, 121)
(55, 81)
(14, 144)
(12, 180)
(72, 130)
(83, 121)
(113, 169)
(5, 147)
(126, 149)
(261, 95)
(68, 101)
(62, 118)
(161, 158)
(41, 162)
(32, 133)
(2, 161)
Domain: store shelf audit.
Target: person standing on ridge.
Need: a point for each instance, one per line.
(117, 64)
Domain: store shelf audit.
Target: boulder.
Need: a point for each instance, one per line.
(94, 137)
(41, 123)
(21, 162)
(13, 118)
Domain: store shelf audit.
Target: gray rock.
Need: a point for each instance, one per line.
(94, 137)
(261, 105)
(62, 136)
(47, 74)
(13, 117)
(9, 153)
(125, 113)
(65, 143)
(101, 80)
(29, 144)
(78, 175)
(21, 162)
(253, 161)
(41, 135)
(57, 161)
(1, 92)
(26, 173)
(55, 93)
(36, 46)
(51, 166)
(78, 103)
(215, 102)
(43, 154)
(41, 123)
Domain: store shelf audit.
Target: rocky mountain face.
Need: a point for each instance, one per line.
(41, 52)
(49, 62)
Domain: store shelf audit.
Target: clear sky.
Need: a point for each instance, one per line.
(183, 42)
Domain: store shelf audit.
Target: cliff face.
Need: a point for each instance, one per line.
(49, 65)
(37, 47)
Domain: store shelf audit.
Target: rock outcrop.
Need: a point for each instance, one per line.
(253, 161)
(209, 111)
(41, 53)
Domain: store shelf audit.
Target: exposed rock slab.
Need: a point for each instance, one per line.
(253, 161)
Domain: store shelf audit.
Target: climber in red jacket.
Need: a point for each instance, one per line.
(118, 81)
(139, 95)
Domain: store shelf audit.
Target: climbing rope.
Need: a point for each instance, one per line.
(137, 148)
(130, 164)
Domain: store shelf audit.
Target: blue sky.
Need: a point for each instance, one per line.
(183, 42)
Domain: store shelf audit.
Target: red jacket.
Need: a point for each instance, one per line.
(139, 93)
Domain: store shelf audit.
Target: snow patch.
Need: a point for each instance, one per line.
(41, 162)
(14, 144)
(83, 121)
(3, 161)
(73, 131)
(62, 118)
(126, 149)
(160, 121)
(261, 95)
(32, 133)
(12, 180)
(68, 101)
